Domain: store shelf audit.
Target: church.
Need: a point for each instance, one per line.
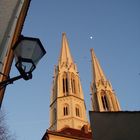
(68, 120)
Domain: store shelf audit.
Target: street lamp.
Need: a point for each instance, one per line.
(27, 52)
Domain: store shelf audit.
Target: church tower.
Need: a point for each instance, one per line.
(103, 96)
(67, 107)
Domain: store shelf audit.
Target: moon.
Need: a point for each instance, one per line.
(91, 37)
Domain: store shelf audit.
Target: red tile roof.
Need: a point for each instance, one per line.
(71, 133)
(76, 133)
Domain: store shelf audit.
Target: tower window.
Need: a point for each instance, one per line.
(73, 83)
(66, 110)
(77, 111)
(104, 102)
(65, 84)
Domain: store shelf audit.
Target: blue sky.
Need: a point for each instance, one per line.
(115, 27)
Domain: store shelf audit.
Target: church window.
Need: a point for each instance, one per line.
(66, 110)
(79, 86)
(73, 84)
(77, 111)
(104, 102)
(65, 84)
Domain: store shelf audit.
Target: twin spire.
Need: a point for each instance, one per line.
(103, 96)
(65, 55)
(98, 73)
(67, 108)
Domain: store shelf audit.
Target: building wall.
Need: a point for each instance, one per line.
(122, 125)
(59, 121)
(12, 16)
(71, 120)
(9, 11)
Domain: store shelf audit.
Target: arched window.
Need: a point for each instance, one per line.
(104, 102)
(77, 111)
(65, 84)
(73, 84)
(66, 110)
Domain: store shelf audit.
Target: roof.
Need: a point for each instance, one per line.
(71, 133)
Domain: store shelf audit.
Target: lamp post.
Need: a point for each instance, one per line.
(27, 52)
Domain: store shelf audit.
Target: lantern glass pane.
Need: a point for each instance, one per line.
(28, 51)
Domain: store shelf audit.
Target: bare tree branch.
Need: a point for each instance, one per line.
(4, 132)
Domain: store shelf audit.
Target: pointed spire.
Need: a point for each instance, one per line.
(103, 96)
(97, 70)
(65, 55)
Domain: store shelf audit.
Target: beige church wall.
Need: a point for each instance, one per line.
(72, 123)
(71, 101)
(67, 122)
(71, 120)
(52, 117)
(59, 86)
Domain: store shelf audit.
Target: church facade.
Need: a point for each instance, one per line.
(67, 107)
(68, 120)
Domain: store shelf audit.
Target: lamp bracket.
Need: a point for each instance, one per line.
(11, 80)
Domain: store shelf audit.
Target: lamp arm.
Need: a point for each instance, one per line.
(9, 81)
